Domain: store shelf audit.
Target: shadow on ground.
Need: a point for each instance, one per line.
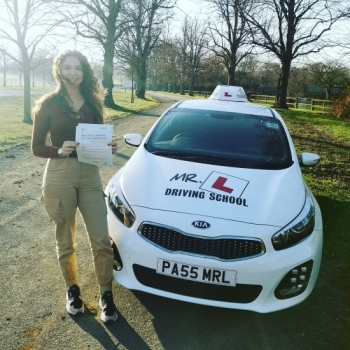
(121, 330)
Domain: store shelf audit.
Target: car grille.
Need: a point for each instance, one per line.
(217, 248)
(242, 293)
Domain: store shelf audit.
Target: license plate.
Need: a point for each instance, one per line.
(197, 273)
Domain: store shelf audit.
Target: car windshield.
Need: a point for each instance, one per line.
(221, 138)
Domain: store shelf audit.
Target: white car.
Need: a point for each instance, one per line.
(212, 208)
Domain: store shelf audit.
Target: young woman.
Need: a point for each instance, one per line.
(68, 184)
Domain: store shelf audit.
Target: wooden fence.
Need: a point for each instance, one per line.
(199, 93)
(292, 102)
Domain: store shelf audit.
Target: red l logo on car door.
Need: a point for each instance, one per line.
(219, 185)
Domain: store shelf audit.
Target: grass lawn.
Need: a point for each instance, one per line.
(13, 132)
(328, 137)
(330, 182)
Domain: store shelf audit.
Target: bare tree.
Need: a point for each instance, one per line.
(27, 26)
(292, 28)
(193, 49)
(181, 67)
(6, 64)
(47, 55)
(213, 73)
(247, 74)
(298, 81)
(331, 75)
(41, 64)
(229, 33)
(147, 18)
(98, 21)
(269, 75)
(162, 65)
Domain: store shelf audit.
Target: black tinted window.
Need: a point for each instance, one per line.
(250, 140)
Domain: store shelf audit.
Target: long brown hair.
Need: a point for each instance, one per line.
(90, 88)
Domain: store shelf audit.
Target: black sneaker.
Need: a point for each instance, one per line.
(74, 303)
(109, 311)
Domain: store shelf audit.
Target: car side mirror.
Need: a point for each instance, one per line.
(309, 159)
(133, 139)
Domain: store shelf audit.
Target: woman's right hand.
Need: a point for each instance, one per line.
(68, 147)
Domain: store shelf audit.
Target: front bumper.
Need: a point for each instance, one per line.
(257, 278)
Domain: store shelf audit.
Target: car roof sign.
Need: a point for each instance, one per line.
(229, 93)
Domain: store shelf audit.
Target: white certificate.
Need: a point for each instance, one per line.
(93, 144)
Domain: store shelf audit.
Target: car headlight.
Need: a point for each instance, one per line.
(300, 228)
(120, 210)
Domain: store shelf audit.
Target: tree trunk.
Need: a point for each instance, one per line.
(328, 93)
(182, 89)
(231, 75)
(190, 92)
(282, 102)
(26, 78)
(278, 94)
(141, 79)
(107, 71)
(4, 79)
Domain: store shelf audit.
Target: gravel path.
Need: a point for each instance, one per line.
(32, 300)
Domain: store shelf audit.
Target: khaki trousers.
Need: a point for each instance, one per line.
(67, 185)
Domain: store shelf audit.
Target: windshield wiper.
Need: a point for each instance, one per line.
(267, 164)
(270, 165)
(200, 158)
(194, 157)
(210, 159)
(216, 159)
(171, 154)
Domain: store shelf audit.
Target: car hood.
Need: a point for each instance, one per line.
(262, 197)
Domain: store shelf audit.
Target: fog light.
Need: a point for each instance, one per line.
(288, 288)
(118, 263)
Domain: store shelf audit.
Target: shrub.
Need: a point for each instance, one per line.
(341, 107)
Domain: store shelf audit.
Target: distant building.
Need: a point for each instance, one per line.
(127, 84)
(319, 92)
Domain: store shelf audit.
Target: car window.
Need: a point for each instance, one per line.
(222, 137)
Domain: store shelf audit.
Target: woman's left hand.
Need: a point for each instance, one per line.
(114, 147)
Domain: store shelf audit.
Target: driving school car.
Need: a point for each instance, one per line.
(212, 208)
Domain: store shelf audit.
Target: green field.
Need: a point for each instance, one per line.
(329, 181)
(13, 132)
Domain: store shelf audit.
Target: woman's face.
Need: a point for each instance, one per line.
(72, 71)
